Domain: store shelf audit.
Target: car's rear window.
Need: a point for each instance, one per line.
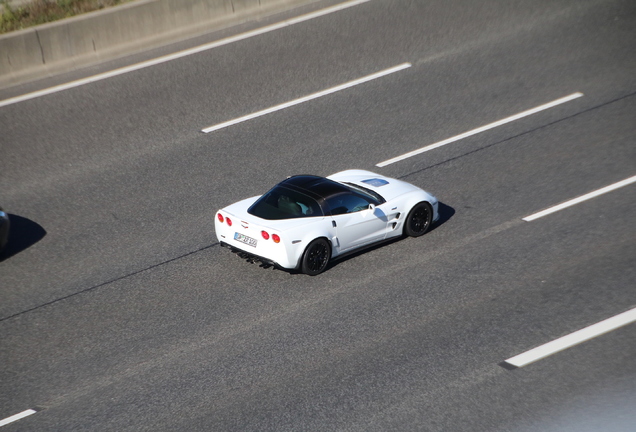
(283, 203)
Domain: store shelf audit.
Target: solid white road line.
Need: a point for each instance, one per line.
(17, 417)
(481, 129)
(572, 339)
(308, 98)
(580, 199)
(184, 53)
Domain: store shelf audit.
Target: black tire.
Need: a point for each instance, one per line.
(419, 220)
(316, 257)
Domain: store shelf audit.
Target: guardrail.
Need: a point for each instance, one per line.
(61, 46)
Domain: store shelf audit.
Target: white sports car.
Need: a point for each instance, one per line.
(306, 220)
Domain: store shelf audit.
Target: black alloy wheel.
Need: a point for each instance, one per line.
(419, 220)
(316, 257)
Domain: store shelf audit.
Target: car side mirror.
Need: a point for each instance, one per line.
(369, 211)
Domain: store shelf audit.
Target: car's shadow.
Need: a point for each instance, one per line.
(446, 212)
(23, 233)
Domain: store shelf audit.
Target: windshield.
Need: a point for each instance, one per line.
(368, 192)
(283, 203)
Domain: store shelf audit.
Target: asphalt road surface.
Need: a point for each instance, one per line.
(120, 312)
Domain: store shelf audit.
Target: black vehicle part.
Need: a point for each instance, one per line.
(316, 257)
(419, 220)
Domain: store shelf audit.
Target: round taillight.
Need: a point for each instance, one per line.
(265, 235)
(276, 238)
(220, 217)
(229, 221)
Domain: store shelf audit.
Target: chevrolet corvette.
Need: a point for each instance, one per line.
(305, 221)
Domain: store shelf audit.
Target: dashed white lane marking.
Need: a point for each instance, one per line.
(184, 53)
(17, 417)
(580, 199)
(308, 98)
(572, 339)
(481, 129)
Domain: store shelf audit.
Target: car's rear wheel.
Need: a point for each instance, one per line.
(316, 257)
(419, 220)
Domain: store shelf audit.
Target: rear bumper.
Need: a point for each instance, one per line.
(280, 254)
(250, 256)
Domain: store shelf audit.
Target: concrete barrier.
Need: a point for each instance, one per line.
(88, 39)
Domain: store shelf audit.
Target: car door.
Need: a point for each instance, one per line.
(357, 221)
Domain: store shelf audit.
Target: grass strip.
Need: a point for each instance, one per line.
(37, 12)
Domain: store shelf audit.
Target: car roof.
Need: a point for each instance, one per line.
(315, 186)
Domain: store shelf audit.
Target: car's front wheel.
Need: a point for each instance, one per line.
(316, 257)
(419, 220)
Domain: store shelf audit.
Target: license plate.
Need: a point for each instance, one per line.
(245, 239)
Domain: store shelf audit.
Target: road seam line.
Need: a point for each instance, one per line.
(307, 98)
(481, 129)
(573, 339)
(580, 199)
